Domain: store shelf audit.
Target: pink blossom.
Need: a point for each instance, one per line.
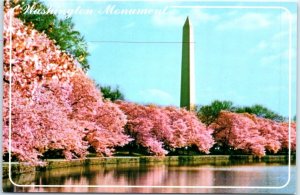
(252, 134)
(55, 106)
(158, 128)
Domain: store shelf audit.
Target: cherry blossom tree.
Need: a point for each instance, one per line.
(187, 130)
(39, 103)
(40, 124)
(144, 125)
(277, 134)
(55, 106)
(158, 128)
(103, 121)
(239, 131)
(252, 134)
(34, 58)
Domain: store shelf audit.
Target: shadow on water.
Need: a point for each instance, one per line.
(183, 173)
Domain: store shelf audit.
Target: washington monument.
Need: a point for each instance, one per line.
(187, 90)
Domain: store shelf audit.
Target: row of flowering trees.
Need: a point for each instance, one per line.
(51, 105)
(157, 128)
(252, 134)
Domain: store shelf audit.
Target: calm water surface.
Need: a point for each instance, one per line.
(259, 174)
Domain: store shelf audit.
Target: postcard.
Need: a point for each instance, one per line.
(136, 96)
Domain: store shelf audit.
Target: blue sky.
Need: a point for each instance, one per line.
(241, 55)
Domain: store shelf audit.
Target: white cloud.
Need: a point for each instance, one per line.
(262, 45)
(175, 18)
(200, 16)
(129, 25)
(275, 49)
(274, 44)
(156, 96)
(281, 35)
(172, 18)
(255, 21)
(278, 58)
(247, 21)
(286, 16)
(270, 59)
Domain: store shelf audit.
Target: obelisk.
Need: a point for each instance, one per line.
(187, 91)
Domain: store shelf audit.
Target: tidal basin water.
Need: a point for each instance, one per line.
(257, 174)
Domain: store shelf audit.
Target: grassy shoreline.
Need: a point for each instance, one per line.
(19, 168)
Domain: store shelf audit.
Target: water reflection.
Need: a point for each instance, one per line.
(259, 174)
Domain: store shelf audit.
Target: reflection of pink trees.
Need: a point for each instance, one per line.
(148, 176)
(239, 175)
(155, 127)
(252, 134)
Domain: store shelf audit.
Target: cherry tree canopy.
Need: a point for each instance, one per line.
(158, 128)
(54, 105)
(252, 134)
